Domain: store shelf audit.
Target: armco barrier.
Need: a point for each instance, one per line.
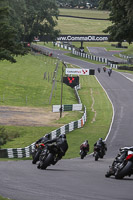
(26, 151)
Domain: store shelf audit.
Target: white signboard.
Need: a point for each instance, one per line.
(77, 71)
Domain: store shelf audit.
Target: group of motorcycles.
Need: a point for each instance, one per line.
(99, 151)
(122, 165)
(45, 155)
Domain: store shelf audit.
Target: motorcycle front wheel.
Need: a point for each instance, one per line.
(96, 156)
(36, 157)
(45, 163)
(82, 155)
(124, 171)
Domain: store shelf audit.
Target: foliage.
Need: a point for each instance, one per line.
(9, 45)
(122, 21)
(22, 20)
(104, 4)
(3, 136)
(77, 3)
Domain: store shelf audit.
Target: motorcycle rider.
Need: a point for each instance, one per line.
(37, 151)
(101, 143)
(61, 143)
(85, 146)
(43, 139)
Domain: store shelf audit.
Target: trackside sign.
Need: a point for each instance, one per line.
(80, 71)
(84, 38)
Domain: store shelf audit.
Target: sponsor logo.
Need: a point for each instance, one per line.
(86, 38)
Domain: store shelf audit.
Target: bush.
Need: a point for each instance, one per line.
(6, 135)
(3, 136)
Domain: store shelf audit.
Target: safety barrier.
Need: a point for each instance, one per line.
(27, 151)
(88, 56)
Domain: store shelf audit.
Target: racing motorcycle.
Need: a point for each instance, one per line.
(37, 151)
(122, 165)
(98, 152)
(83, 151)
(48, 156)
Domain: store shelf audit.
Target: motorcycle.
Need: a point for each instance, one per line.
(48, 156)
(98, 152)
(37, 151)
(83, 151)
(122, 165)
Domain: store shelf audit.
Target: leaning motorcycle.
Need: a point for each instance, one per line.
(83, 151)
(122, 165)
(98, 152)
(48, 156)
(37, 151)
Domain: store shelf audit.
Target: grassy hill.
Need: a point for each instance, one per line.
(82, 26)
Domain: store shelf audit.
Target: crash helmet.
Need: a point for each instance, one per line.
(47, 136)
(101, 139)
(62, 136)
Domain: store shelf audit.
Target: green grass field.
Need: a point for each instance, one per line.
(85, 13)
(23, 83)
(82, 26)
(19, 78)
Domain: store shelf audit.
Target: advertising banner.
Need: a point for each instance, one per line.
(71, 81)
(80, 71)
(75, 38)
(84, 38)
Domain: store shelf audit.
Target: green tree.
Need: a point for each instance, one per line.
(9, 45)
(121, 16)
(104, 4)
(40, 19)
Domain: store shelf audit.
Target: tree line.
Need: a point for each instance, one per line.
(21, 21)
(78, 3)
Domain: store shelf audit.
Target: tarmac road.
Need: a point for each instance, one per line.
(101, 52)
(77, 179)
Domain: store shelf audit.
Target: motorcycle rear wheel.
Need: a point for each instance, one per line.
(124, 171)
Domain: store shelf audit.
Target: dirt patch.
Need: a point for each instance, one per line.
(25, 116)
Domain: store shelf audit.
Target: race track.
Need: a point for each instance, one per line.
(77, 179)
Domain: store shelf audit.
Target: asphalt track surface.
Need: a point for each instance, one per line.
(76, 179)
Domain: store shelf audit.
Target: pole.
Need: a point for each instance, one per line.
(61, 93)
